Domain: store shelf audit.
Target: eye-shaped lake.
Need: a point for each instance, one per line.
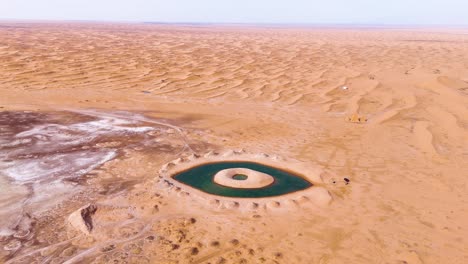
(201, 178)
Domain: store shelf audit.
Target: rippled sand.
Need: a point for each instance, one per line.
(90, 112)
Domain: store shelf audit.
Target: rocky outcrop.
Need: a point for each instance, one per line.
(82, 219)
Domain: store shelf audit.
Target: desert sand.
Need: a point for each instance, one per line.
(90, 113)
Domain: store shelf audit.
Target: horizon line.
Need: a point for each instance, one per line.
(207, 23)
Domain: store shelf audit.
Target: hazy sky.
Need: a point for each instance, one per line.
(441, 12)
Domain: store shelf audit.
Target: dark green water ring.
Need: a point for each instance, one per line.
(240, 177)
(201, 178)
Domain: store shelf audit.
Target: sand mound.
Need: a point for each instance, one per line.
(254, 179)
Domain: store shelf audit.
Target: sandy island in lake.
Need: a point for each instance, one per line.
(249, 178)
(93, 116)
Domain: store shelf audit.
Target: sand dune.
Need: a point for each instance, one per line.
(397, 132)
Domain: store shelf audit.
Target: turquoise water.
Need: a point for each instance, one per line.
(201, 178)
